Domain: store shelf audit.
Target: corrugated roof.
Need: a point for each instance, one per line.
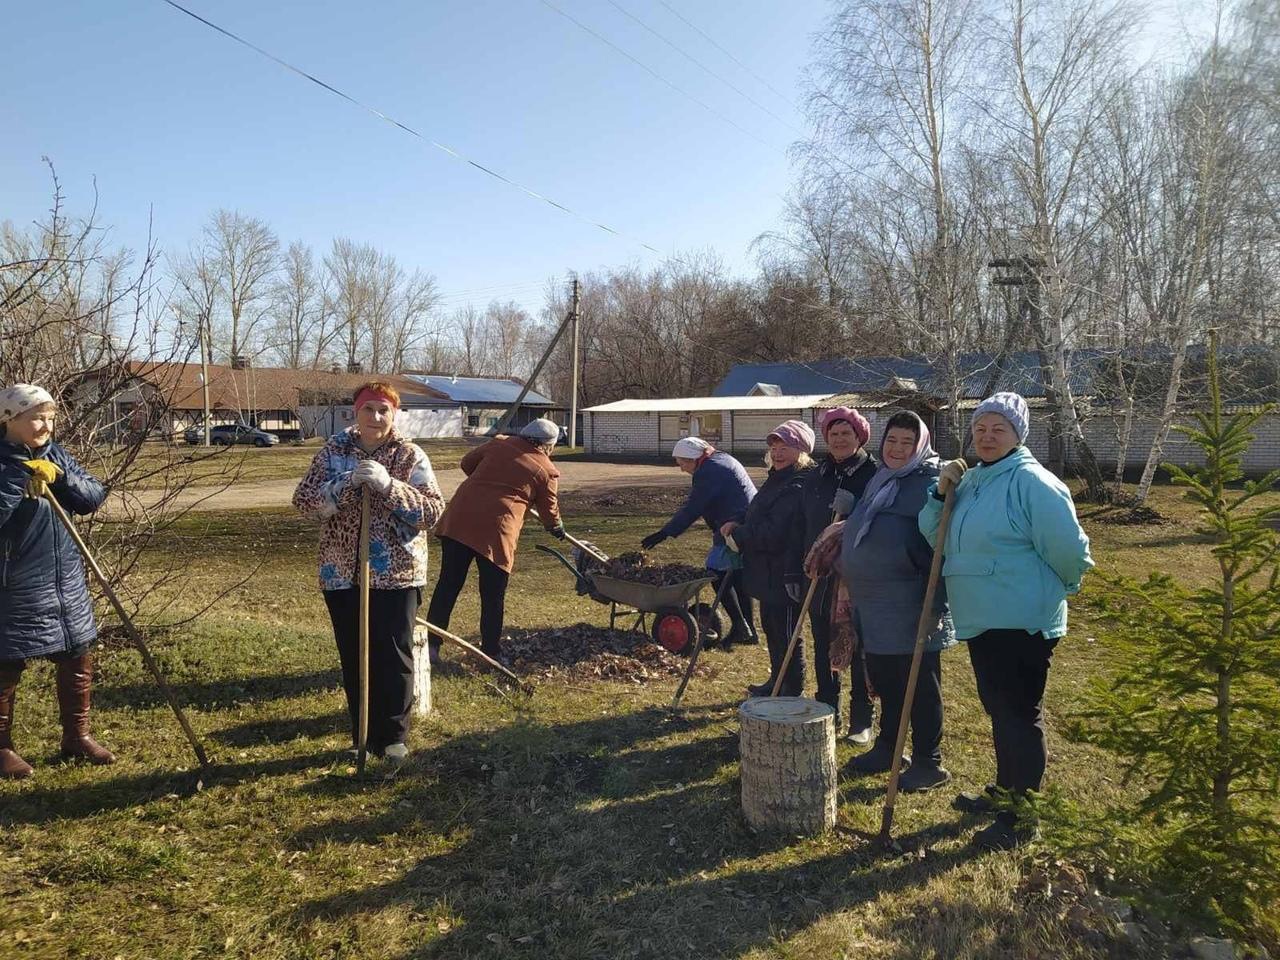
(262, 388)
(691, 404)
(480, 390)
(865, 401)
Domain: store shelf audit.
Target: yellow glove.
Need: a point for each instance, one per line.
(43, 473)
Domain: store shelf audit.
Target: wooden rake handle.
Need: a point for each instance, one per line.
(473, 650)
(581, 545)
(129, 628)
(926, 623)
(362, 727)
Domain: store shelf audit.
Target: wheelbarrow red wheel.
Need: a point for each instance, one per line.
(675, 630)
(710, 622)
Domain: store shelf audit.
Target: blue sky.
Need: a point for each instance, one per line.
(175, 121)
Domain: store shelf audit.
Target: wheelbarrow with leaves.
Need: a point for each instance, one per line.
(673, 614)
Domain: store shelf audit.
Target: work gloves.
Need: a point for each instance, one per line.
(558, 531)
(843, 503)
(43, 474)
(952, 472)
(652, 540)
(372, 474)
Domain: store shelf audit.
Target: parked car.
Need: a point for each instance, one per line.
(226, 434)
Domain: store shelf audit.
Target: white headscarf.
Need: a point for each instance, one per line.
(21, 397)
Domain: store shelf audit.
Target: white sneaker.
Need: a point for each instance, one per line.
(396, 754)
(859, 736)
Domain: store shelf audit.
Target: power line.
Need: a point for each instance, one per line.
(409, 130)
(679, 16)
(705, 69)
(653, 73)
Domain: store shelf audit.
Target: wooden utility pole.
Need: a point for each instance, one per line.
(573, 395)
(205, 347)
(507, 417)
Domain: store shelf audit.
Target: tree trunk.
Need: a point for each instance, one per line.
(1166, 422)
(788, 764)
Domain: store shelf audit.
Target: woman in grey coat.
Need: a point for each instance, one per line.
(885, 562)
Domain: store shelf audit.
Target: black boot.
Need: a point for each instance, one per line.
(12, 766)
(75, 679)
(879, 759)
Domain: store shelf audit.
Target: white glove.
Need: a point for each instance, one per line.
(951, 474)
(372, 474)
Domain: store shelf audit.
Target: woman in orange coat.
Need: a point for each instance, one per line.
(483, 520)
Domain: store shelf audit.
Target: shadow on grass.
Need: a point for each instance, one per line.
(214, 694)
(47, 804)
(282, 730)
(645, 855)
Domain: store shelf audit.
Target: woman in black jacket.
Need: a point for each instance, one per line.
(45, 607)
(847, 466)
(770, 540)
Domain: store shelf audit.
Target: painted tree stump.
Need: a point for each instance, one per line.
(421, 672)
(787, 748)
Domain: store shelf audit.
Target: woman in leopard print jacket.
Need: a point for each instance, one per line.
(405, 504)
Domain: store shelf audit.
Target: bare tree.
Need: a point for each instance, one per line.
(303, 327)
(415, 302)
(1057, 65)
(349, 266)
(246, 252)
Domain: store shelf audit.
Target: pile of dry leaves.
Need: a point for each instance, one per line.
(635, 567)
(585, 652)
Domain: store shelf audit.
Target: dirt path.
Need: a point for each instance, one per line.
(574, 477)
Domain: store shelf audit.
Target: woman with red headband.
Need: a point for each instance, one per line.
(405, 503)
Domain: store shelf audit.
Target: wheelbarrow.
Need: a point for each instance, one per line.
(672, 614)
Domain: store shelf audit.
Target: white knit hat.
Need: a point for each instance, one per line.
(1009, 405)
(21, 397)
(691, 448)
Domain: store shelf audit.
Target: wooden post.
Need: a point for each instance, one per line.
(421, 670)
(788, 764)
(573, 394)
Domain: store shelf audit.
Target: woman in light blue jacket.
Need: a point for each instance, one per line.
(1014, 553)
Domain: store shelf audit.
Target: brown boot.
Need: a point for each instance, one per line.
(12, 766)
(75, 677)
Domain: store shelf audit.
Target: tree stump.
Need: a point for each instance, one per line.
(787, 748)
(421, 672)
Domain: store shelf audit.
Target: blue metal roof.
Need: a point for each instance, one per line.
(476, 390)
(1020, 371)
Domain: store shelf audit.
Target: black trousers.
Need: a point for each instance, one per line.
(391, 616)
(889, 673)
(455, 562)
(1011, 667)
(779, 621)
(737, 605)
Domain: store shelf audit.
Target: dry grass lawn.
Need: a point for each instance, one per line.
(585, 821)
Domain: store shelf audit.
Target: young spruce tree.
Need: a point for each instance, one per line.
(1193, 709)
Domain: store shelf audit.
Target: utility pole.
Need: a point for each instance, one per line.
(573, 395)
(205, 346)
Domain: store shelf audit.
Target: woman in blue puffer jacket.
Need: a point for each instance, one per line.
(1014, 553)
(45, 607)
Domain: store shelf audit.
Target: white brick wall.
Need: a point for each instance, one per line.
(743, 433)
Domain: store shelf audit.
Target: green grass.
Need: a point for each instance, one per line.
(214, 466)
(585, 821)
